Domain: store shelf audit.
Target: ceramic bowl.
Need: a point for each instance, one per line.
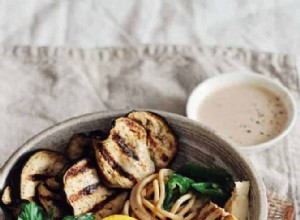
(226, 79)
(196, 143)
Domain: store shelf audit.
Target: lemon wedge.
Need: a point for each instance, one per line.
(119, 217)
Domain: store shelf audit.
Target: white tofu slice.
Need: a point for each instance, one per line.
(238, 204)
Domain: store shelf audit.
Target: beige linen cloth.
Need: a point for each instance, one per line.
(42, 86)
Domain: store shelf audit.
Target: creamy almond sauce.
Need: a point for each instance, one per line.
(247, 114)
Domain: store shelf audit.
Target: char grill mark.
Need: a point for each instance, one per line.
(155, 149)
(89, 189)
(115, 165)
(123, 158)
(74, 171)
(124, 147)
(100, 205)
(84, 192)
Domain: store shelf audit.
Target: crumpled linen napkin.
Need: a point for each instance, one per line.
(42, 86)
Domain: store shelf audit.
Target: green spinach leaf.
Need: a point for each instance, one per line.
(31, 211)
(88, 216)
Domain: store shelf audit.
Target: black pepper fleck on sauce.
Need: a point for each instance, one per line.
(262, 133)
(249, 131)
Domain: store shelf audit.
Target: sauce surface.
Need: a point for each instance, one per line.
(247, 114)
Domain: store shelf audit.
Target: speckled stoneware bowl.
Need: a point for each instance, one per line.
(196, 143)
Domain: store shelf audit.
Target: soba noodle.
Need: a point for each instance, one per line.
(147, 197)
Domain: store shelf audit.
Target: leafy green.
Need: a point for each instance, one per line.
(31, 211)
(88, 216)
(177, 186)
(203, 174)
(209, 189)
(213, 182)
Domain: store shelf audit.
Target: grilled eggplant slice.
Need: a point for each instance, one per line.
(161, 140)
(6, 196)
(123, 158)
(83, 189)
(50, 200)
(112, 205)
(80, 145)
(77, 146)
(41, 165)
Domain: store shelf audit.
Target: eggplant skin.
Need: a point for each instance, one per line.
(161, 140)
(40, 166)
(123, 158)
(83, 188)
(77, 146)
(80, 145)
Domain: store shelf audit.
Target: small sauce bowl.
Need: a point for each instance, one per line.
(212, 84)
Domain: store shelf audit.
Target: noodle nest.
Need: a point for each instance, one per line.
(147, 197)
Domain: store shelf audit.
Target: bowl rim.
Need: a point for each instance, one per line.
(249, 74)
(6, 168)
